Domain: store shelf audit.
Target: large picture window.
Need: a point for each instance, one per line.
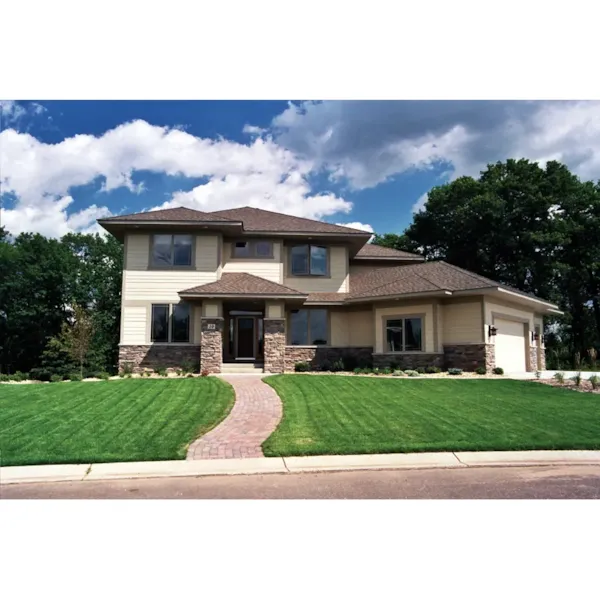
(404, 334)
(308, 260)
(171, 250)
(252, 249)
(170, 323)
(308, 327)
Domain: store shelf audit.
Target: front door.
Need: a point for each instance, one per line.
(245, 337)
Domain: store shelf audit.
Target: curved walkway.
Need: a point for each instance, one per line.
(255, 415)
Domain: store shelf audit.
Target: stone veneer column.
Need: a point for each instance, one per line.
(533, 359)
(274, 345)
(542, 357)
(211, 345)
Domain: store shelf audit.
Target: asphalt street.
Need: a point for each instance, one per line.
(573, 482)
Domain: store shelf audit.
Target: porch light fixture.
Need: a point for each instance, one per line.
(492, 331)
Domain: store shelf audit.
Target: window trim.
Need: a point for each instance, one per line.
(309, 310)
(387, 318)
(153, 267)
(327, 273)
(252, 247)
(170, 341)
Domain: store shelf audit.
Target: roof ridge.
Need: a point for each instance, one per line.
(262, 279)
(273, 212)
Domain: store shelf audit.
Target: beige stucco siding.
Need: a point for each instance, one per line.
(267, 268)
(495, 310)
(163, 285)
(424, 310)
(351, 328)
(337, 281)
(134, 325)
(462, 323)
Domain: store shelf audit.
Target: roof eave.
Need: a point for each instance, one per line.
(391, 258)
(185, 294)
(546, 306)
(398, 296)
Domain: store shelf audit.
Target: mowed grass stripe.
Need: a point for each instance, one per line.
(124, 420)
(348, 415)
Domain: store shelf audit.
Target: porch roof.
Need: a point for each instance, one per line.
(242, 285)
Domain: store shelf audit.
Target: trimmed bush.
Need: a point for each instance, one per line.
(399, 373)
(411, 373)
(431, 370)
(386, 371)
(301, 367)
(453, 371)
(103, 375)
(480, 371)
(18, 376)
(498, 371)
(75, 377)
(577, 379)
(595, 381)
(357, 371)
(40, 374)
(337, 365)
(559, 377)
(4, 377)
(420, 370)
(55, 378)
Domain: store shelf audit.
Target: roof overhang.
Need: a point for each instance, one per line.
(225, 296)
(118, 228)
(512, 296)
(388, 297)
(391, 258)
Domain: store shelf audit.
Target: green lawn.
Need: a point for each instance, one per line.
(354, 415)
(108, 421)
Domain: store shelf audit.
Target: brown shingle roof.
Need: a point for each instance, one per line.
(375, 251)
(326, 297)
(235, 284)
(257, 219)
(169, 214)
(419, 278)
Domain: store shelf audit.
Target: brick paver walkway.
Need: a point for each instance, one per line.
(255, 415)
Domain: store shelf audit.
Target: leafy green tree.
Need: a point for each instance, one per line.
(76, 337)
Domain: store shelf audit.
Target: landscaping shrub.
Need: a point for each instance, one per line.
(188, 366)
(595, 381)
(127, 368)
(498, 371)
(40, 374)
(454, 371)
(411, 373)
(577, 379)
(357, 371)
(480, 371)
(559, 377)
(432, 370)
(367, 370)
(190, 375)
(386, 371)
(538, 374)
(4, 377)
(161, 371)
(204, 373)
(394, 366)
(376, 371)
(18, 376)
(365, 364)
(301, 367)
(75, 377)
(55, 378)
(420, 370)
(399, 373)
(337, 365)
(103, 375)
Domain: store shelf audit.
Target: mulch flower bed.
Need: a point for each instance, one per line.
(585, 386)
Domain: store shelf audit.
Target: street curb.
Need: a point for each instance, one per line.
(294, 464)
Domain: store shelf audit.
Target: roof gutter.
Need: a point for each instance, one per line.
(398, 296)
(241, 295)
(553, 308)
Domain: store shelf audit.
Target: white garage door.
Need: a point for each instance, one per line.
(510, 345)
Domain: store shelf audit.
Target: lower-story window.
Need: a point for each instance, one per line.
(404, 334)
(170, 323)
(308, 327)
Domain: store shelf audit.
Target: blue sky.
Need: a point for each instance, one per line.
(65, 164)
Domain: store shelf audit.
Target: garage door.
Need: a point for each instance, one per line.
(510, 345)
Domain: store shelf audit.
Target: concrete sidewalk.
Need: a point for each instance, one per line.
(295, 464)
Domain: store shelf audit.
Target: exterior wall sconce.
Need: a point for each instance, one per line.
(492, 331)
(535, 336)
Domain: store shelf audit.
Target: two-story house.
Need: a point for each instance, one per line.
(249, 285)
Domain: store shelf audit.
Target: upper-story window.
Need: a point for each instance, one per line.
(307, 259)
(171, 250)
(252, 249)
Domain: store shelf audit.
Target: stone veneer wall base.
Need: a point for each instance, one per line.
(408, 361)
(152, 356)
(469, 357)
(320, 357)
(274, 345)
(211, 345)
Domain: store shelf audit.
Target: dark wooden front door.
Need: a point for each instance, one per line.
(245, 337)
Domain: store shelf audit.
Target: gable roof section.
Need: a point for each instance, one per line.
(242, 284)
(382, 252)
(257, 219)
(169, 214)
